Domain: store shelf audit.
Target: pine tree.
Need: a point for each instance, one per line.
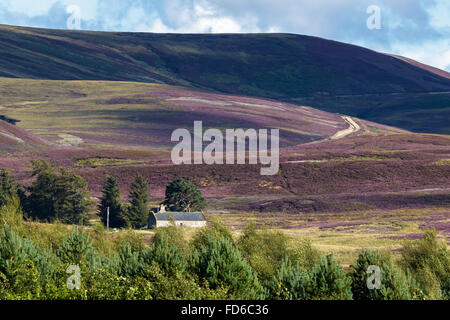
(221, 265)
(8, 188)
(57, 195)
(111, 199)
(139, 207)
(183, 195)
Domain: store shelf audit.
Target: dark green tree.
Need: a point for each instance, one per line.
(111, 199)
(57, 195)
(328, 281)
(8, 188)
(394, 284)
(183, 195)
(221, 264)
(138, 210)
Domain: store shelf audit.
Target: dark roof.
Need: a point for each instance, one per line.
(186, 216)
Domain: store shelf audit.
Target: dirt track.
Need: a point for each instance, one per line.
(353, 127)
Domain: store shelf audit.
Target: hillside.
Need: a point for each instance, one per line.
(142, 115)
(333, 76)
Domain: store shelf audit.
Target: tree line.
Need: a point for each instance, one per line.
(57, 194)
(212, 264)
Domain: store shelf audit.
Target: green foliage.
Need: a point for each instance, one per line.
(11, 214)
(304, 254)
(8, 188)
(138, 211)
(167, 255)
(111, 199)
(183, 195)
(216, 230)
(77, 249)
(429, 261)
(329, 281)
(394, 283)
(264, 250)
(222, 266)
(57, 195)
(23, 264)
(289, 283)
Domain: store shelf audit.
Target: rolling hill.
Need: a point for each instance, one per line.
(143, 115)
(324, 74)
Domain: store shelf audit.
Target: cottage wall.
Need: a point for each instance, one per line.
(182, 223)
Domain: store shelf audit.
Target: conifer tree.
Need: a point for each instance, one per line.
(183, 195)
(57, 195)
(8, 188)
(139, 206)
(111, 199)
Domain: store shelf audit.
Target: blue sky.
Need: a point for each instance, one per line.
(418, 29)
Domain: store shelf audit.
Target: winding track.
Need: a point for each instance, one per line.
(353, 127)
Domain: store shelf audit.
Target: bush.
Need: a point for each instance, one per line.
(264, 250)
(394, 283)
(77, 249)
(290, 282)
(216, 230)
(23, 265)
(222, 266)
(429, 261)
(329, 281)
(168, 256)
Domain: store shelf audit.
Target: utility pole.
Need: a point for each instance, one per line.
(107, 218)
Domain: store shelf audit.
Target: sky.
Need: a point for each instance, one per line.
(417, 29)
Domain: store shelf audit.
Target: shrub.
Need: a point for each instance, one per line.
(8, 188)
(23, 264)
(217, 230)
(289, 283)
(329, 281)
(77, 249)
(429, 261)
(222, 266)
(264, 250)
(11, 214)
(394, 283)
(168, 256)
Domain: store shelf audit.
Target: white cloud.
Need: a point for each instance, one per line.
(199, 17)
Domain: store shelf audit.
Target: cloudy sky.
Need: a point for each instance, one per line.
(418, 29)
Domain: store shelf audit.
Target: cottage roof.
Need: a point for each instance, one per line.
(180, 216)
